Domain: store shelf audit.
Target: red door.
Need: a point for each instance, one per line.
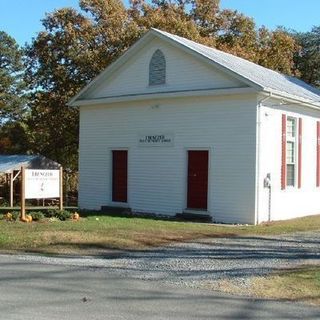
(119, 175)
(197, 179)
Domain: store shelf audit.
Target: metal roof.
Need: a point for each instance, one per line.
(267, 79)
(9, 163)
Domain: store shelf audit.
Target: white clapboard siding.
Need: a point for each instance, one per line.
(157, 175)
(183, 72)
(291, 202)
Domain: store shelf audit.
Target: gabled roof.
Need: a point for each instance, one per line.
(264, 77)
(9, 163)
(261, 78)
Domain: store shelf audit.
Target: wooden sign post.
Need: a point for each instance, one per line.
(61, 189)
(40, 184)
(23, 199)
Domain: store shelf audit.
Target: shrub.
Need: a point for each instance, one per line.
(63, 215)
(15, 215)
(51, 213)
(37, 215)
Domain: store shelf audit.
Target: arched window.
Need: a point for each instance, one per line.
(157, 69)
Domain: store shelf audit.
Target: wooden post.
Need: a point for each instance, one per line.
(23, 200)
(11, 189)
(61, 189)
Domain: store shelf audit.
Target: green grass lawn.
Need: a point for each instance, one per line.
(300, 284)
(95, 234)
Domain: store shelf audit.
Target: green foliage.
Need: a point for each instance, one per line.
(36, 215)
(58, 214)
(63, 215)
(307, 59)
(15, 215)
(11, 82)
(14, 137)
(50, 213)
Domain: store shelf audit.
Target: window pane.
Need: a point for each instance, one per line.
(291, 127)
(290, 174)
(157, 69)
(290, 152)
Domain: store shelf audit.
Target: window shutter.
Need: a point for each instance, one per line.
(300, 153)
(283, 152)
(318, 153)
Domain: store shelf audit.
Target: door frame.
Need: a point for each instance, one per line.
(186, 159)
(110, 184)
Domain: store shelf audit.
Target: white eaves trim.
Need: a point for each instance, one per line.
(166, 94)
(291, 98)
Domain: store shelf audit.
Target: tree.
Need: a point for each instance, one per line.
(11, 83)
(14, 138)
(76, 45)
(307, 59)
(72, 50)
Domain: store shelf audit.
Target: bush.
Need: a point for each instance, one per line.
(59, 214)
(51, 213)
(15, 215)
(63, 215)
(36, 215)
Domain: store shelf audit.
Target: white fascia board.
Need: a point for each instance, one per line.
(164, 95)
(292, 98)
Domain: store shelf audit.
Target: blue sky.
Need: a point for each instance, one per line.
(21, 18)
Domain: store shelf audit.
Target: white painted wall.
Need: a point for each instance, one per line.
(184, 72)
(291, 202)
(157, 176)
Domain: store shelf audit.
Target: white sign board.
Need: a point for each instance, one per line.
(156, 140)
(41, 184)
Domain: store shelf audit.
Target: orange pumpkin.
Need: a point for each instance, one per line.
(76, 216)
(8, 216)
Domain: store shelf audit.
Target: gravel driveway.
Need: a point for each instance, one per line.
(205, 263)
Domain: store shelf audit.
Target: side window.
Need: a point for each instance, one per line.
(157, 69)
(291, 147)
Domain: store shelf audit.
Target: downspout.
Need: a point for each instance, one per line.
(258, 125)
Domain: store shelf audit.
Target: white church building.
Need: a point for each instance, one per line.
(175, 127)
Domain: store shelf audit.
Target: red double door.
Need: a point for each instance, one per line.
(198, 162)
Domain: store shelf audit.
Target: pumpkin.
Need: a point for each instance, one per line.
(8, 216)
(76, 216)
